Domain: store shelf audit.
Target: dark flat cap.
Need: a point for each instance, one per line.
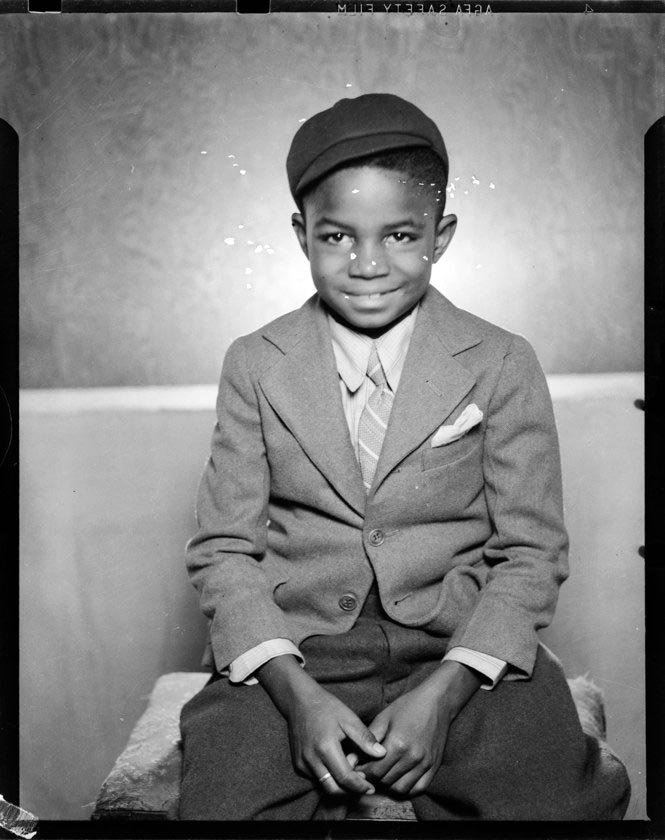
(355, 128)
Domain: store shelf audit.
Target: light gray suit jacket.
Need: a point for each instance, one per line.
(465, 540)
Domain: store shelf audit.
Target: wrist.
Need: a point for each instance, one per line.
(286, 682)
(453, 684)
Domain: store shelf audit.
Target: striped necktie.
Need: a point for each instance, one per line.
(373, 420)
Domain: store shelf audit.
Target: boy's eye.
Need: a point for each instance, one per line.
(400, 236)
(336, 238)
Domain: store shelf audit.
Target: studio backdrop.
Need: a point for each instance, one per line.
(155, 229)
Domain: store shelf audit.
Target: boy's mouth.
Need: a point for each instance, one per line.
(366, 295)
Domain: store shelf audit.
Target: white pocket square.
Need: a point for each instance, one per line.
(469, 418)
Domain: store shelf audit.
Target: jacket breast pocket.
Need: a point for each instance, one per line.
(442, 456)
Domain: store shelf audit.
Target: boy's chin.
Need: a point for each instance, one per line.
(372, 324)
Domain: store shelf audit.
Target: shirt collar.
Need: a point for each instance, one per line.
(352, 351)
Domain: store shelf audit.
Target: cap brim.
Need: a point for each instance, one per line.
(352, 149)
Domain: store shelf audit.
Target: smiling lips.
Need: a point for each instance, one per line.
(367, 295)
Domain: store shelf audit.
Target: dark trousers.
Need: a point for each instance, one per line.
(514, 753)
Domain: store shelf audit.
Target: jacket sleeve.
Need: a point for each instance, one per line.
(527, 550)
(226, 557)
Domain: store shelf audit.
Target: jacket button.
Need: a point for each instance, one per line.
(376, 537)
(348, 602)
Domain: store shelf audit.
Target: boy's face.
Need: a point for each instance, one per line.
(371, 236)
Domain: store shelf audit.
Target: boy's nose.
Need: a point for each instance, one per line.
(367, 262)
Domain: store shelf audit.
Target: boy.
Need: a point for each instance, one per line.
(381, 528)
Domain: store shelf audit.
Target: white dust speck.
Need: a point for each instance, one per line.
(348, 84)
(426, 259)
(479, 265)
(132, 171)
(248, 271)
(269, 251)
(346, 297)
(474, 180)
(258, 249)
(248, 286)
(373, 263)
(492, 186)
(302, 119)
(243, 172)
(230, 156)
(204, 152)
(457, 179)
(466, 192)
(425, 214)
(240, 227)
(353, 256)
(355, 191)
(230, 240)
(250, 241)
(235, 164)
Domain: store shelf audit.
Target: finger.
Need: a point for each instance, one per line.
(404, 784)
(377, 769)
(363, 737)
(421, 785)
(326, 781)
(343, 774)
(352, 758)
(379, 726)
(405, 765)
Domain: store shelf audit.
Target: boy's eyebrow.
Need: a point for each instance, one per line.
(326, 220)
(409, 221)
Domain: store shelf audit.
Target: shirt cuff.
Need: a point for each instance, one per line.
(243, 667)
(490, 667)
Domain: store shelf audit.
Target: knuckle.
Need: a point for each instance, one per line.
(400, 745)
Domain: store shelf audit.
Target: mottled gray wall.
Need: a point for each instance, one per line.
(129, 195)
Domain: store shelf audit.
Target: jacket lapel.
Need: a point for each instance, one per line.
(303, 388)
(433, 382)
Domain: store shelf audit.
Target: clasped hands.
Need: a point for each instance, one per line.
(402, 747)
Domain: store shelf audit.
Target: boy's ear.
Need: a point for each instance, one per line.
(445, 231)
(298, 223)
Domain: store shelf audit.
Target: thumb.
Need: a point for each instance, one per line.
(379, 727)
(365, 739)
